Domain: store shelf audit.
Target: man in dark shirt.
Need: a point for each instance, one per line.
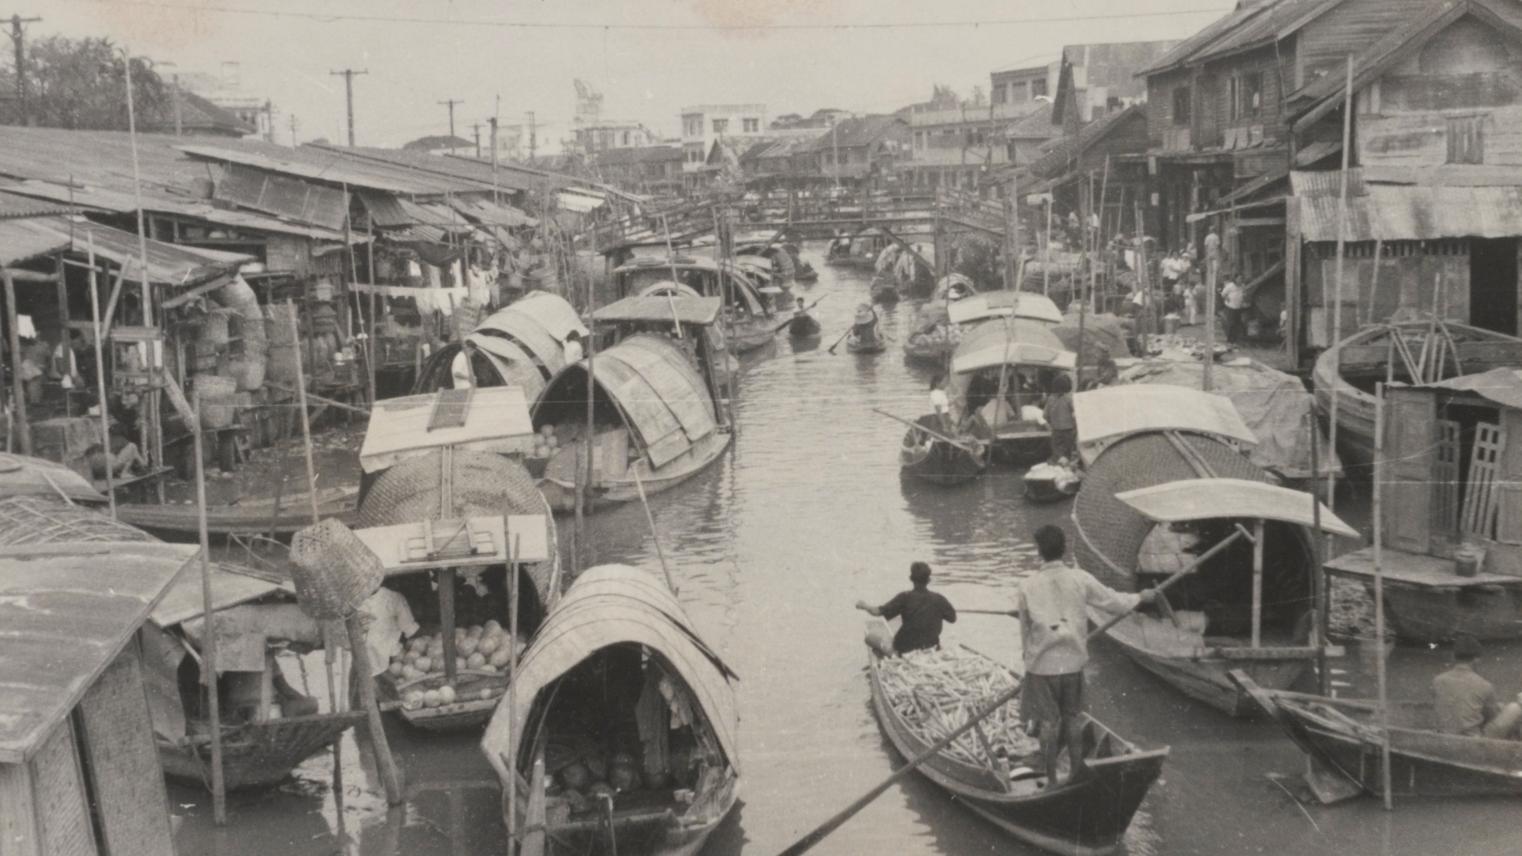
(921, 609)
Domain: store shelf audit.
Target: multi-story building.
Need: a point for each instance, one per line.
(609, 135)
(703, 124)
(1022, 84)
(965, 146)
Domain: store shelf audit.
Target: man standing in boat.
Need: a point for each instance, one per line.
(922, 610)
(1053, 611)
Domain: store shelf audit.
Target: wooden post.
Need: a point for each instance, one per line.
(1323, 598)
(1212, 272)
(1257, 584)
(1046, 263)
(447, 578)
(1335, 337)
(511, 802)
(100, 375)
(23, 428)
(1379, 590)
(209, 646)
(1099, 243)
(384, 763)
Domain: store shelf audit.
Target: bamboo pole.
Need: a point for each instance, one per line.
(655, 535)
(152, 433)
(1099, 242)
(209, 646)
(1046, 262)
(1212, 276)
(1323, 597)
(513, 572)
(100, 375)
(1335, 339)
(22, 427)
(1379, 592)
(1257, 583)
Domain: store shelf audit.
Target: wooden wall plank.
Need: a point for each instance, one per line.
(123, 762)
(62, 803)
(18, 813)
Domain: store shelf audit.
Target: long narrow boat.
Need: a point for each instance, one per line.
(658, 395)
(1171, 488)
(1003, 359)
(1087, 817)
(522, 344)
(1350, 369)
(875, 343)
(931, 459)
(955, 308)
(617, 649)
(248, 517)
(1345, 737)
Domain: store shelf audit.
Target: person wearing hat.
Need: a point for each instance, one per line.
(922, 610)
(1466, 704)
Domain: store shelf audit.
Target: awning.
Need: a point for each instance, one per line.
(1002, 304)
(25, 239)
(491, 214)
(229, 587)
(1415, 213)
(1109, 413)
(1503, 386)
(492, 419)
(1015, 342)
(1210, 499)
(684, 309)
(495, 540)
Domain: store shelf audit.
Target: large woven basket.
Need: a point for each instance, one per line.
(334, 571)
(215, 327)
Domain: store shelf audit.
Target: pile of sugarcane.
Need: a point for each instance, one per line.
(935, 692)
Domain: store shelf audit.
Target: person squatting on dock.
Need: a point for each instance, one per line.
(922, 610)
(1466, 704)
(1052, 607)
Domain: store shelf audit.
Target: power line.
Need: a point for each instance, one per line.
(573, 25)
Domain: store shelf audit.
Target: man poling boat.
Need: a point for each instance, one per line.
(864, 336)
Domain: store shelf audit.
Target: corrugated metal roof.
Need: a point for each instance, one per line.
(13, 207)
(67, 611)
(24, 239)
(489, 214)
(334, 166)
(510, 178)
(1312, 183)
(1411, 213)
(1246, 26)
(283, 196)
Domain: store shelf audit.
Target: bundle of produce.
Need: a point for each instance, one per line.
(935, 692)
(481, 651)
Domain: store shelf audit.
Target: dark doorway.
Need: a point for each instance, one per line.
(1493, 284)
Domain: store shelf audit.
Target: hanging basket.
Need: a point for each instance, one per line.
(334, 572)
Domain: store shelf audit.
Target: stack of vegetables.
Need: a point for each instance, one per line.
(936, 692)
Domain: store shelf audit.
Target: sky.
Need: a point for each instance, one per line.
(648, 58)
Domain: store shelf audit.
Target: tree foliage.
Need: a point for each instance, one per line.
(81, 84)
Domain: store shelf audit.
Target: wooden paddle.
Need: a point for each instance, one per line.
(778, 328)
(842, 338)
(936, 434)
(820, 832)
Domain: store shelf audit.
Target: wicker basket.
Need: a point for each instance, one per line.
(219, 400)
(334, 571)
(215, 328)
(248, 372)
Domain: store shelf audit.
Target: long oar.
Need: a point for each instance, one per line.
(778, 328)
(936, 434)
(842, 338)
(818, 834)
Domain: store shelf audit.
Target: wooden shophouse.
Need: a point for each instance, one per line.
(1452, 553)
(79, 773)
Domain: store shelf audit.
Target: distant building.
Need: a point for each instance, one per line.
(964, 146)
(190, 114)
(1024, 84)
(861, 151)
(441, 144)
(1103, 78)
(704, 124)
(648, 170)
(223, 91)
(607, 135)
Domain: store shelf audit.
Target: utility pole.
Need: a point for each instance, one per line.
(494, 196)
(18, 36)
(348, 76)
(179, 121)
(533, 137)
(293, 130)
(269, 121)
(476, 132)
(450, 102)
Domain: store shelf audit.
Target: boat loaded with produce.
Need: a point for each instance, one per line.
(467, 545)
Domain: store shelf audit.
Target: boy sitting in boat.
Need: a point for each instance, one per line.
(923, 612)
(1052, 608)
(1466, 703)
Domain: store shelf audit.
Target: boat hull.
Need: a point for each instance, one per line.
(941, 463)
(561, 496)
(256, 755)
(803, 327)
(252, 518)
(1207, 679)
(1343, 737)
(1086, 818)
(1045, 491)
(885, 293)
(874, 345)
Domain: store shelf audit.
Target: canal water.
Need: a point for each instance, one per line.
(771, 548)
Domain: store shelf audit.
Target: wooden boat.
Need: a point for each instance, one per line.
(748, 320)
(1350, 369)
(1166, 482)
(251, 612)
(859, 250)
(522, 344)
(1088, 817)
(1001, 363)
(876, 343)
(448, 469)
(616, 622)
(247, 517)
(1045, 483)
(803, 326)
(659, 414)
(936, 461)
(943, 320)
(1156, 502)
(1345, 737)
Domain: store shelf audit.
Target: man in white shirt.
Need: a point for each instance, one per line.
(390, 621)
(940, 405)
(573, 349)
(1234, 298)
(1053, 611)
